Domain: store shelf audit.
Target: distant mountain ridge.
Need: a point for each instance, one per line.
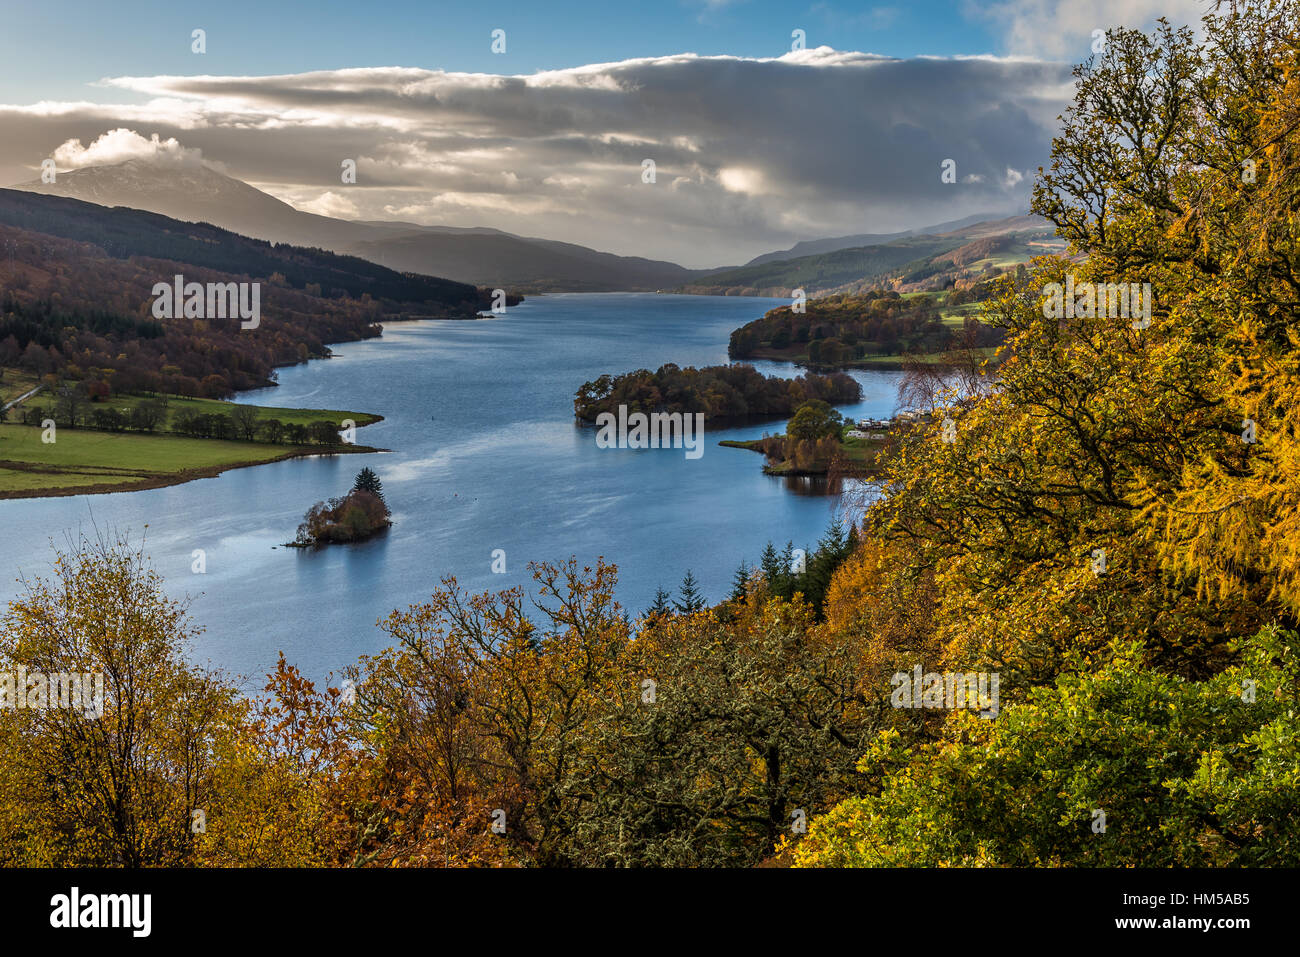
(497, 259)
(912, 263)
(195, 193)
(487, 257)
(480, 256)
(814, 247)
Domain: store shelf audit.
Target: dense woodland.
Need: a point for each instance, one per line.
(836, 330)
(1160, 686)
(76, 299)
(722, 393)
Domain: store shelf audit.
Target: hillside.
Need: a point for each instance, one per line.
(77, 300)
(198, 194)
(122, 233)
(876, 328)
(913, 263)
(475, 255)
(823, 271)
(813, 247)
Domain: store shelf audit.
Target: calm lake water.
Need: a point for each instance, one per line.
(485, 455)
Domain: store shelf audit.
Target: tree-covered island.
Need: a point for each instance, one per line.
(725, 394)
(358, 515)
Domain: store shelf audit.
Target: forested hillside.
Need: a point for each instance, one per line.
(844, 330)
(123, 232)
(869, 264)
(77, 298)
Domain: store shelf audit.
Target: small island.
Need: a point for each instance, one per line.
(724, 394)
(819, 441)
(358, 515)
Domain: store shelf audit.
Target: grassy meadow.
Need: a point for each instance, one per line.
(85, 461)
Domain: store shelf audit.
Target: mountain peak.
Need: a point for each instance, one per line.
(182, 190)
(196, 193)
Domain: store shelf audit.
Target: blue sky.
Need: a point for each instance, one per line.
(136, 37)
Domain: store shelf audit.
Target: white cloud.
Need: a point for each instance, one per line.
(736, 179)
(119, 145)
(330, 203)
(1063, 29)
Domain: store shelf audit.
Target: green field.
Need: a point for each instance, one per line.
(84, 461)
(956, 316)
(177, 405)
(864, 454)
(900, 362)
(888, 363)
(15, 382)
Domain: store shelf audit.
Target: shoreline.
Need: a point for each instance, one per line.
(781, 469)
(164, 481)
(155, 481)
(375, 533)
(890, 364)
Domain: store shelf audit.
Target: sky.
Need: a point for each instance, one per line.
(767, 122)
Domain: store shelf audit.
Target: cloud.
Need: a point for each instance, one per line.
(119, 145)
(751, 154)
(1063, 29)
(330, 203)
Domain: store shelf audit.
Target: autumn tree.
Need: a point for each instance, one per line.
(723, 737)
(1108, 520)
(111, 780)
(520, 695)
